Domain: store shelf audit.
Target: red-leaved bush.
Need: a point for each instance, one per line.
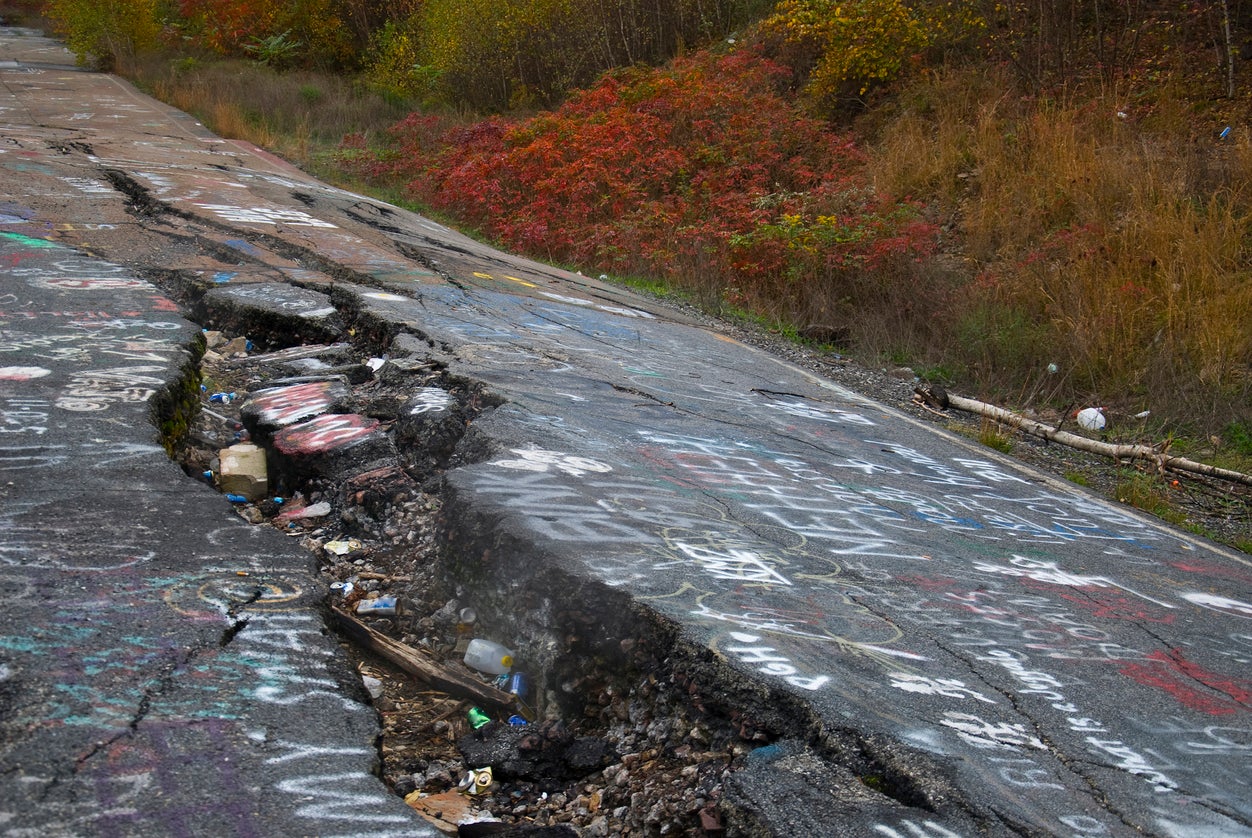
(701, 173)
(225, 25)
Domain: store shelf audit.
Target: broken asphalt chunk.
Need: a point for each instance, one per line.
(274, 408)
(337, 446)
(272, 308)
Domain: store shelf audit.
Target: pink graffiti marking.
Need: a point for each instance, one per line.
(1216, 571)
(1172, 672)
(286, 405)
(1115, 607)
(77, 283)
(325, 433)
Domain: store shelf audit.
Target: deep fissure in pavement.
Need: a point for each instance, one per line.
(634, 728)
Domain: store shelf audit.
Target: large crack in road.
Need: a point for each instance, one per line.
(612, 679)
(667, 721)
(743, 598)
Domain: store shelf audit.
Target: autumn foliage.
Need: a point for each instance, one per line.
(305, 32)
(104, 31)
(1044, 201)
(498, 54)
(701, 173)
(848, 46)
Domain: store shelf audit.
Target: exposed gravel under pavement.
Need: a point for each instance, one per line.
(645, 763)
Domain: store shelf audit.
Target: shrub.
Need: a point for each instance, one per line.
(105, 30)
(848, 46)
(276, 51)
(701, 173)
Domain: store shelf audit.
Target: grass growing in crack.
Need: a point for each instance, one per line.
(1150, 493)
(173, 408)
(991, 435)
(875, 782)
(1078, 478)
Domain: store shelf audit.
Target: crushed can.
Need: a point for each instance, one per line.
(476, 782)
(518, 684)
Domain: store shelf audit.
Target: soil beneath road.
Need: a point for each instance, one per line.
(645, 759)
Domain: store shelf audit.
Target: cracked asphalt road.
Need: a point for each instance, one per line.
(937, 641)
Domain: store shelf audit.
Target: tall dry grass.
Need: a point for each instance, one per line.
(1117, 247)
(299, 115)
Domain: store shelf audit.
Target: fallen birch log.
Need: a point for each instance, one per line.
(1119, 451)
(417, 663)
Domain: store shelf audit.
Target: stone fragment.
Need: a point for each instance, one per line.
(243, 471)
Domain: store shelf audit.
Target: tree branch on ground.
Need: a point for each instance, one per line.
(1118, 451)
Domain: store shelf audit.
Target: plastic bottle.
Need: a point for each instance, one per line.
(488, 656)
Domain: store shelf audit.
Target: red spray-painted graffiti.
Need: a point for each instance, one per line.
(287, 405)
(324, 433)
(1172, 672)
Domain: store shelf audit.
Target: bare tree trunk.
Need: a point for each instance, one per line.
(1117, 451)
(1230, 51)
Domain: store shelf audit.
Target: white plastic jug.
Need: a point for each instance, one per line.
(488, 656)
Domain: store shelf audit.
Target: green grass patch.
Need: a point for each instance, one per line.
(1078, 478)
(992, 436)
(1149, 493)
